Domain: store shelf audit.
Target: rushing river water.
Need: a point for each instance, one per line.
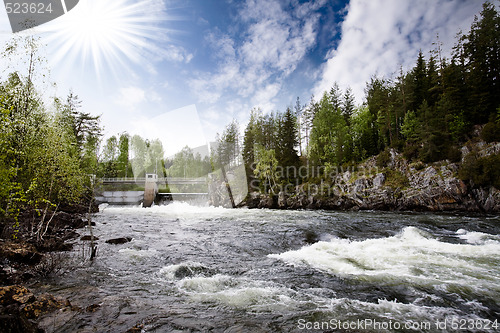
(205, 269)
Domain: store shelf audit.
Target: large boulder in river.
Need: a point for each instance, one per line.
(121, 240)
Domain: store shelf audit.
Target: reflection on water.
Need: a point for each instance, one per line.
(214, 269)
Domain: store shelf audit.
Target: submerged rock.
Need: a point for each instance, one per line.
(190, 271)
(121, 240)
(88, 238)
(311, 237)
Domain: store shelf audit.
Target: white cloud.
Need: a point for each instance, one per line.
(272, 45)
(130, 97)
(379, 36)
(211, 114)
(176, 54)
(154, 96)
(277, 38)
(222, 45)
(264, 97)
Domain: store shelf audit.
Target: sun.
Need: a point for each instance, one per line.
(107, 34)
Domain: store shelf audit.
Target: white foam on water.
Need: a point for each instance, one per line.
(400, 312)
(175, 210)
(475, 237)
(258, 296)
(238, 292)
(242, 293)
(138, 253)
(412, 255)
(261, 296)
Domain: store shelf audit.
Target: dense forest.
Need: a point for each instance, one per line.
(134, 156)
(427, 113)
(50, 152)
(47, 152)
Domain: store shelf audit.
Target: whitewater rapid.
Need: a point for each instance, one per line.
(202, 269)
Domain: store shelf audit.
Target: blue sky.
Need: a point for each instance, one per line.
(133, 61)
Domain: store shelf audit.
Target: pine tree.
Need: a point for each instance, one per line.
(482, 55)
(228, 147)
(288, 140)
(378, 103)
(348, 106)
(420, 82)
(249, 141)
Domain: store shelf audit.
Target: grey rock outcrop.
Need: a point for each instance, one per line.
(400, 186)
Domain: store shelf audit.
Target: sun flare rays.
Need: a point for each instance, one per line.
(107, 35)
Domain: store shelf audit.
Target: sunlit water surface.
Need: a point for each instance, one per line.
(205, 269)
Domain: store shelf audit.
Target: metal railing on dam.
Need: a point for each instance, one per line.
(151, 183)
(142, 180)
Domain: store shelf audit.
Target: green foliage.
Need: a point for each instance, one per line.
(454, 154)
(286, 152)
(364, 134)
(188, 165)
(348, 106)
(481, 171)
(276, 132)
(148, 156)
(108, 165)
(395, 179)
(330, 137)
(306, 122)
(228, 145)
(411, 127)
(410, 151)
(491, 132)
(80, 128)
(57, 176)
(458, 126)
(266, 167)
(383, 158)
(43, 155)
(481, 52)
(122, 162)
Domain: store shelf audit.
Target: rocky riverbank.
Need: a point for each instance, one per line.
(27, 259)
(397, 185)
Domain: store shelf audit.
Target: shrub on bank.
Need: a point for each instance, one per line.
(395, 179)
(481, 171)
(491, 132)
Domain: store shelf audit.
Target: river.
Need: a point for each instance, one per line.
(206, 269)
